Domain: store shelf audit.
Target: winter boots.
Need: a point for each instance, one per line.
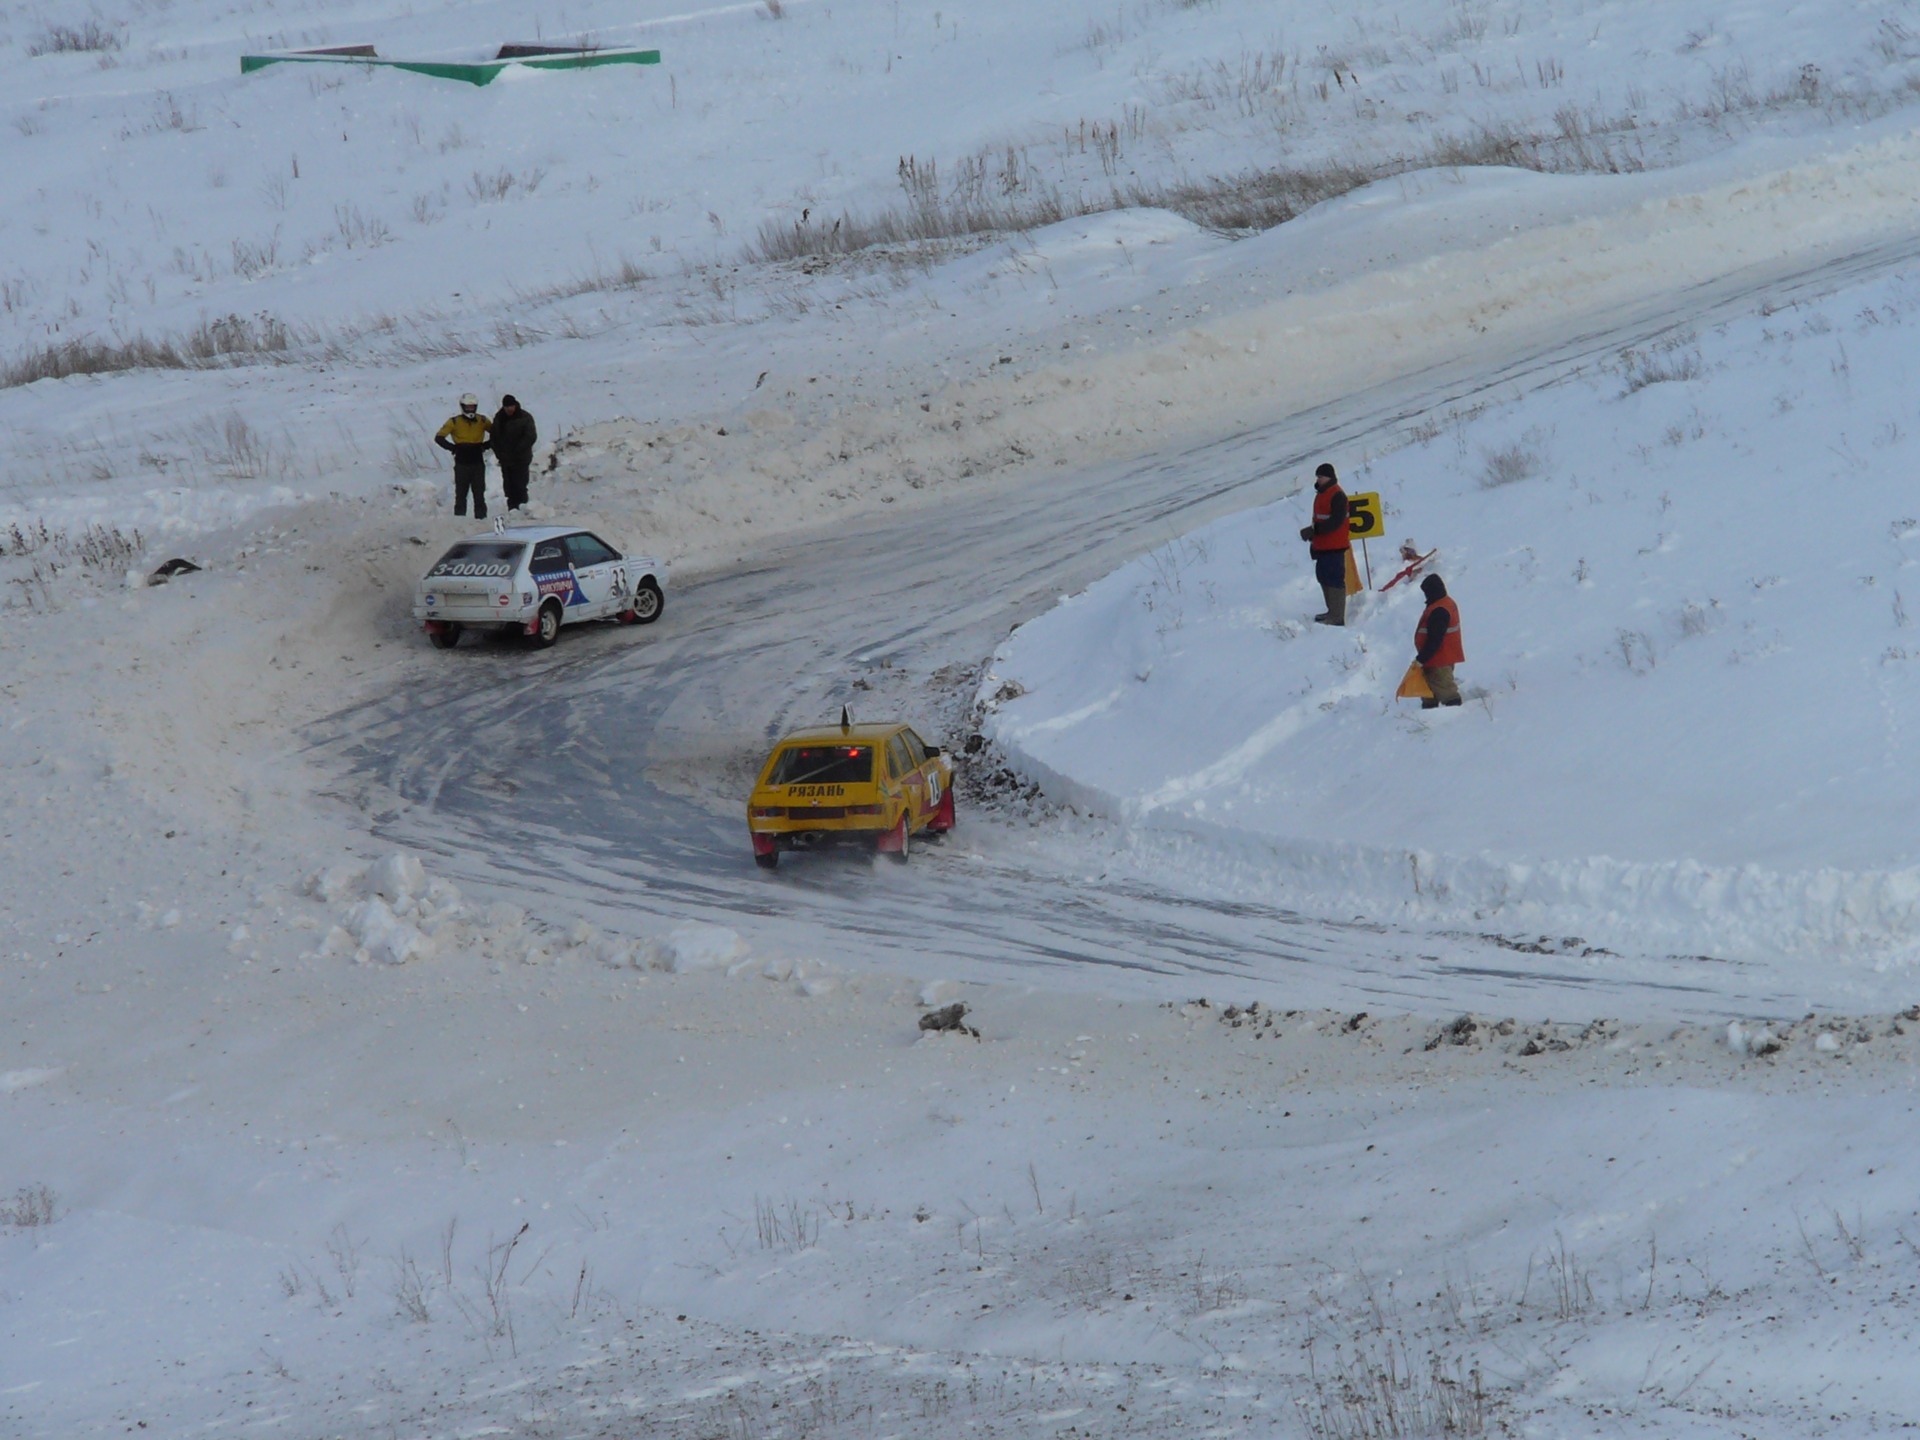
(1446, 691)
(1336, 611)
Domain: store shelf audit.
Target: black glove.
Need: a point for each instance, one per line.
(1306, 532)
(443, 442)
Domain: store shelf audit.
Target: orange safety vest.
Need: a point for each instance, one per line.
(1336, 539)
(1450, 651)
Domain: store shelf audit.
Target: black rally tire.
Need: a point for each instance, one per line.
(548, 630)
(648, 603)
(769, 861)
(445, 638)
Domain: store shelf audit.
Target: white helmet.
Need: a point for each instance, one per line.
(469, 401)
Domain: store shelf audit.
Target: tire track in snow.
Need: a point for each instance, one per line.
(749, 652)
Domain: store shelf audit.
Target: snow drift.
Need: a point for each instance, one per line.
(1689, 663)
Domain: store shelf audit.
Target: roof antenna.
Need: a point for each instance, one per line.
(846, 720)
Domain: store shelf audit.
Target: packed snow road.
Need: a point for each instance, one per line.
(610, 771)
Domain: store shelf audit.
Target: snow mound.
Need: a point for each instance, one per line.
(383, 935)
(392, 911)
(697, 946)
(397, 879)
(1758, 1040)
(1686, 673)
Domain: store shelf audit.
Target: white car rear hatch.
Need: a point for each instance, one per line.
(474, 581)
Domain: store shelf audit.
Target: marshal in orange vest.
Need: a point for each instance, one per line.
(1450, 651)
(1329, 538)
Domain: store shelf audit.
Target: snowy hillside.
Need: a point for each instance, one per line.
(586, 238)
(397, 1042)
(1683, 579)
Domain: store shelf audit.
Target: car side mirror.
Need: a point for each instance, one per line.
(933, 752)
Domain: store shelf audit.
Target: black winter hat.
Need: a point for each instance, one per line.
(506, 400)
(1324, 472)
(1433, 587)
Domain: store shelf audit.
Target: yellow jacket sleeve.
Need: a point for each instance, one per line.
(465, 430)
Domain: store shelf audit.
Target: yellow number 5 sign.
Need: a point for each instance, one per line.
(1366, 516)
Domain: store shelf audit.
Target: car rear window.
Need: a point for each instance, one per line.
(823, 765)
(480, 557)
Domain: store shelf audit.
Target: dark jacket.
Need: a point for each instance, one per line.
(513, 438)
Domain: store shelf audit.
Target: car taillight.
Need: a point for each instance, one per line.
(863, 809)
(769, 812)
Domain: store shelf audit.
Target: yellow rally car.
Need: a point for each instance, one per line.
(877, 785)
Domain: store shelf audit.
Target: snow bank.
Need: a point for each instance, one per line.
(678, 366)
(696, 946)
(393, 912)
(1689, 663)
(397, 912)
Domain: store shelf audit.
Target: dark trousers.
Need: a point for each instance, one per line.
(1330, 569)
(470, 479)
(513, 480)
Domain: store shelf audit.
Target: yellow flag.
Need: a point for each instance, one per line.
(1414, 686)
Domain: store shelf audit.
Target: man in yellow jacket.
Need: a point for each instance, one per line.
(466, 436)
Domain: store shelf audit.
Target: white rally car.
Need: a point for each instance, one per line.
(533, 579)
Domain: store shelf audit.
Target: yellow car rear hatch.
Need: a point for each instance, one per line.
(823, 778)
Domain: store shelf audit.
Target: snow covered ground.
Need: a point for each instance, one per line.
(590, 1130)
(1682, 577)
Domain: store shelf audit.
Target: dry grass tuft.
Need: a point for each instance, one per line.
(990, 195)
(210, 344)
(31, 1206)
(90, 38)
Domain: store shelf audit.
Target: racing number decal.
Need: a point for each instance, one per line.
(463, 568)
(933, 788)
(1366, 516)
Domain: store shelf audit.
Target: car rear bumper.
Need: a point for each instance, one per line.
(766, 842)
(473, 614)
(515, 625)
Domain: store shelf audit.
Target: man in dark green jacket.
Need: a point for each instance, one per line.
(513, 440)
